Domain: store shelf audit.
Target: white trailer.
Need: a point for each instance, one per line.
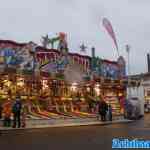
(136, 96)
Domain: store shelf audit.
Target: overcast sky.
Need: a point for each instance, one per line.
(26, 20)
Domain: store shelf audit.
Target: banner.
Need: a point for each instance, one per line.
(107, 25)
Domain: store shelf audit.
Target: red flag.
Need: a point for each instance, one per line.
(108, 27)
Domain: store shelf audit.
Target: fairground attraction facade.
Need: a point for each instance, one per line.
(54, 83)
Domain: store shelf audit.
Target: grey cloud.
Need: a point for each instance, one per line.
(81, 20)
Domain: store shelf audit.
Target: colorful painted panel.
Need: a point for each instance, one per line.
(19, 57)
(110, 70)
(31, 57)
(51, 62)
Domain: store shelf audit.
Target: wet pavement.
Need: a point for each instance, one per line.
(96, 137)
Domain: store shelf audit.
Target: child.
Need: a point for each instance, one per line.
(23, 117)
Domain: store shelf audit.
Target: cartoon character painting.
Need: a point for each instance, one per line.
(54, 67)
(109, 70)
(10, 56)
(28, 61)
(63, 45)
(19, 57)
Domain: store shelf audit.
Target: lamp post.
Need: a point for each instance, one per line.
(93, 58)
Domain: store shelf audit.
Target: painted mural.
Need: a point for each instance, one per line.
(55, 66)
(110, 70)
(107, 69)
(31, 57)
(51, 62)
(16, 56)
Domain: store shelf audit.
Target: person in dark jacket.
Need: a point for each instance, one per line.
(16, 109)
(103, 107)
(109, 112)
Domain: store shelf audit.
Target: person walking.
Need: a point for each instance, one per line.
(7, 113)
(109, 112)
(16, 109)
(103, 109)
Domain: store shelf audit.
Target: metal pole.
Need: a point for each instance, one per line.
(128, 52)
(129, 73)
(93, 58)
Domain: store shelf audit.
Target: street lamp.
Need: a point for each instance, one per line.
(128, 55)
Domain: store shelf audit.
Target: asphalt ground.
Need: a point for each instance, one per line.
(95, 137)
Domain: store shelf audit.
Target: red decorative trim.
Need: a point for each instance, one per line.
(12, 43)
(111, 62)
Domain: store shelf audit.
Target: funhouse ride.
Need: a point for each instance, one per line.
(54, 83)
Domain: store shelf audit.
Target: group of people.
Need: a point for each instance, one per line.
(104, 110)
(19, 113)
(15, 108)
